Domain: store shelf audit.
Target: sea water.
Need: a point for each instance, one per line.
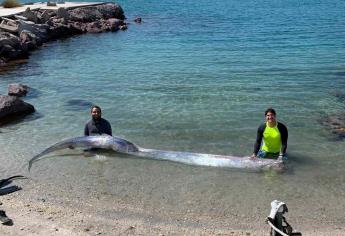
(194, 76)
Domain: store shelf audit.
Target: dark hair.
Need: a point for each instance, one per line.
(97, 107)
(271, 110)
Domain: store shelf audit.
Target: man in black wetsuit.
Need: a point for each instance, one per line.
(97, 125)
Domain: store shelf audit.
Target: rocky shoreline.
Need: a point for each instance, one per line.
(28, 30)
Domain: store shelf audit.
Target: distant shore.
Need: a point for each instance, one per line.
(26, 28)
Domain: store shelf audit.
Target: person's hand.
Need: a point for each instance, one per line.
(281, 156)
(253, 156)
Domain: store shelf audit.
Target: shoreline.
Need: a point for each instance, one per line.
(27, 28)
(44, 209)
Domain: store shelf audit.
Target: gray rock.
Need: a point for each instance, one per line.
(63, 13)
(114, 23)
(11, 106)
(85, 14)
(336, 124)
(11, 47)
(111, 10)
(30, 15)
(9, 39)
(18, 90)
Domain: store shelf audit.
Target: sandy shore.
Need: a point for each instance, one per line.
(43, 209)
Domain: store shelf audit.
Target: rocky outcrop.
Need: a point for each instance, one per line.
(18, 90)
(11, 107)
(36, 27)
(11, 47)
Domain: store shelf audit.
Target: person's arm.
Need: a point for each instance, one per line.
(107, 128)
(284, 137)
(86, 130)
(110, 132)
(258, 141)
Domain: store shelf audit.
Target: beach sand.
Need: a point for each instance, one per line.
(43, 209)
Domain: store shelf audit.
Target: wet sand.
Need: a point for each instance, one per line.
(44, 209)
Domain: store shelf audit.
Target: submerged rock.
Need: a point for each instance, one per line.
(336, 123)
(340, 96)
(78, 104)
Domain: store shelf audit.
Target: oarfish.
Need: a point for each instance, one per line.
(102, 141)
(124, 146)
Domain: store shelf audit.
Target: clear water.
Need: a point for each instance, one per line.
(194, 76)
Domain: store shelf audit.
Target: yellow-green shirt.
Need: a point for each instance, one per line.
(272, 139)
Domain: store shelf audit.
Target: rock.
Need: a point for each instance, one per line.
(40, 30)
(10, 47)
(137, 20)
(123, 26)
(30, 15)
(11, 106)
(94, 27)
(111, 11)
(63, 13)
(336, 123)
(9, 39)
(340, 96)
(59, 30)
(29, 40)
(85, 14)
(114, 23)
(18, 90)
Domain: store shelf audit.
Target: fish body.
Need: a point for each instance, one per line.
(102, 141)
(124, 146)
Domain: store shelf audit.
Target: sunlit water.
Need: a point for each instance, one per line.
(194, 76)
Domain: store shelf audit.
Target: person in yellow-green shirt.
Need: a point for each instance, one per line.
(271, 139)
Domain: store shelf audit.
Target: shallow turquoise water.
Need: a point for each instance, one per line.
(194, 76)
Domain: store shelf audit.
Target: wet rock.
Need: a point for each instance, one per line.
(18, 90)
(340, 96)
(11, 106)
(78, 104)
(123, 26)
(137, 20)
(114, 24)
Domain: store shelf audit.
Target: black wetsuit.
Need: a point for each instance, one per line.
(97, 127)
(283, 133)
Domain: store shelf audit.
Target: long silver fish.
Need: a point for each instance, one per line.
(124, 146)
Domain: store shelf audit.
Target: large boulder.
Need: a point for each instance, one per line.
(85, 14)
(111, 11)
(93, 13)
(11, 47)
(40, 30)
(11, 106)
(18, 90)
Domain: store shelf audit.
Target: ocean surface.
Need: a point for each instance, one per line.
(194, 76)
